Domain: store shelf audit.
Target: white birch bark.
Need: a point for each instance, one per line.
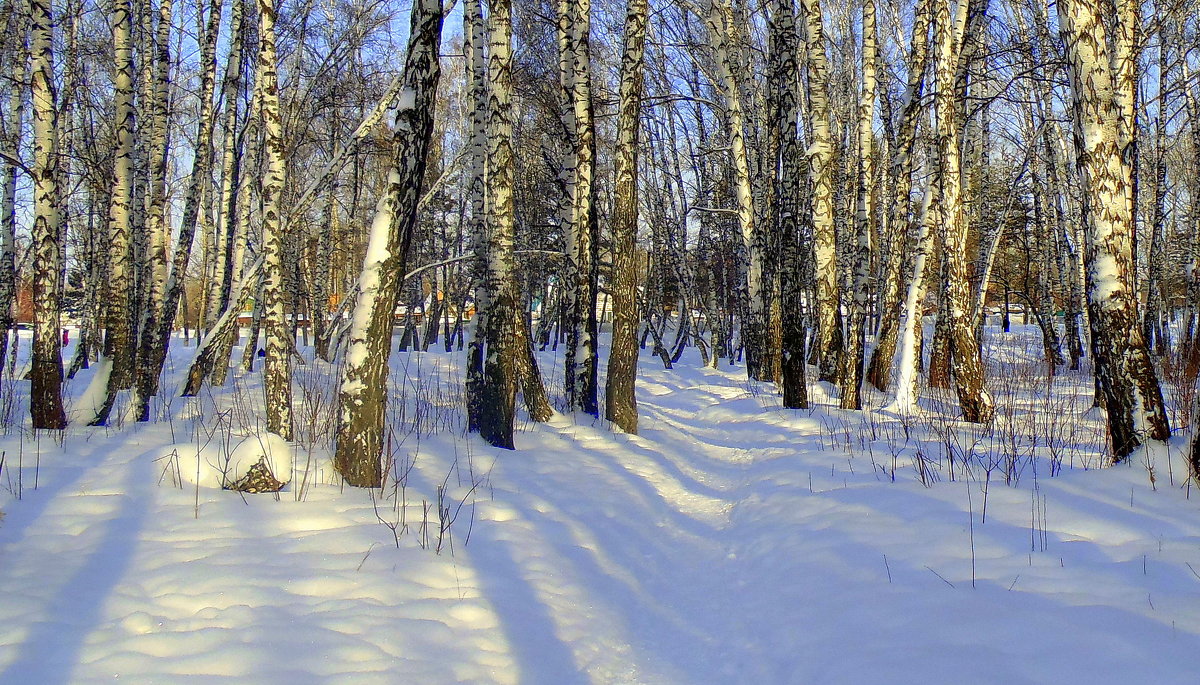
(362, 395)
(784, 114)
(118, 318)
(579, 170)
(852, 355)
(820, 161)
(976, 403)
(754, 329)
(900, 218)
(13, 121)
(277, 372)
(46, 376)
(1102, 113)
(156, 338)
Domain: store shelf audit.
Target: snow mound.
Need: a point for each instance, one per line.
(213, 466)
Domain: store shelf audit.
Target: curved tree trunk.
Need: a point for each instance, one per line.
(362, 396)
(879, 370)
(756, 293)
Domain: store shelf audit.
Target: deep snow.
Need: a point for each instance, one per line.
(732, 541)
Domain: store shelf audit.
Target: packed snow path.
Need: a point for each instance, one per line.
(730, 542)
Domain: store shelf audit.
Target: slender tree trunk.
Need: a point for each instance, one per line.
(13, 121)
(158, 230)
(578, 211)
(879, 370)
(504, 347)
(911, 330)
(821, 164)
(277, 372)
(227, 228)
(619, 397)
(45, 399)
(118, 318)
(977, 405)
(362, 396)
(852, 355)
(474, 44)
(155, 341)
(783, 113)
(756, 296)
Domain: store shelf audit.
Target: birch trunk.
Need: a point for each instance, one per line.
(1102, 110)
(46, 376)
(118, 316)
(911, 328)
(879, 370)
(158, 230)
(820, 159)
(580, 221)
(474, 43)
(784, 113)
(852, 354)
(362, 396)
(498, 383)
(619, 397)
(977, 405)
(756, 294)
(156, 340)
(13, 121)
(277, 372)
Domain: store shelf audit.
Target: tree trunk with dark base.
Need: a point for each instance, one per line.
(783, 112)
(1102, 114)
(46, 375)
(620, 402)
(363, 393)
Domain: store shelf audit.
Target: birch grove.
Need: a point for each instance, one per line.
(849, 204)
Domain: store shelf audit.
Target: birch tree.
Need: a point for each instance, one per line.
(976, 403)
(829, 341)
(362, 396)
(277, 371)
(492, 397)
(157, 233)
(46, 375)
(852, 355)
(900, 216)
(14, 30)
(118, 317)
(579, 217)
(720, 22)
(784, 112)
(1102, 112)
(157, 336)
(620, 401)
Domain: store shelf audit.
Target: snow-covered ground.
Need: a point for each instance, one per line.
(732, 541)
